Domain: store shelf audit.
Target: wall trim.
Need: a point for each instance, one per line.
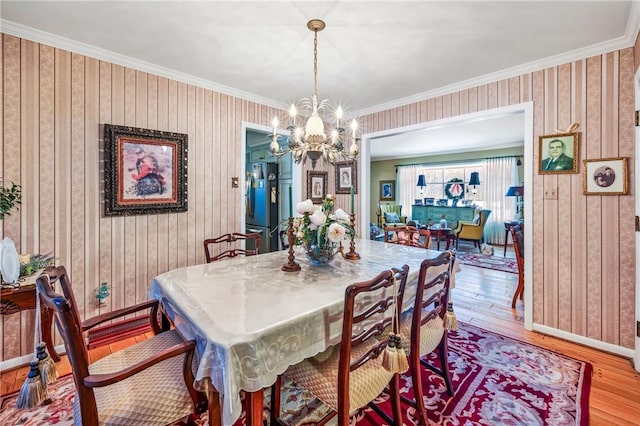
(622, 42)
(586, 341)
(24, 360)
(53, 40)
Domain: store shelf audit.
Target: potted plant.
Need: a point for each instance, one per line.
(10, 197)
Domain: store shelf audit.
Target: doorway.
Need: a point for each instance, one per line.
(268, 191)
(368, 199)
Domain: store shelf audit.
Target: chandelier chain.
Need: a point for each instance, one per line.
(315, 62)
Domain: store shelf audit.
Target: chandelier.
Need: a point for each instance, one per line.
(315, 139)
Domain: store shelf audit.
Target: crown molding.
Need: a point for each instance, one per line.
(622, 42)
(29, 33)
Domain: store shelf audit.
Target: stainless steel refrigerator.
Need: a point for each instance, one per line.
(262, 204)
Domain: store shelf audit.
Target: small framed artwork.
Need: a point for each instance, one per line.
(145, 171)
(387, 190)
(606, 176)
(346, 177)
(417, 202)
(558, 153)
(316, 186)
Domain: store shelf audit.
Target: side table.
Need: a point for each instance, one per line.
(439, 232)
(13, 300)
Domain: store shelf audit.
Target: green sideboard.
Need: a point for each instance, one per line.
(424, 214)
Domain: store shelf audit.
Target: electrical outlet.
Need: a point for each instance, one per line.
(550, 194)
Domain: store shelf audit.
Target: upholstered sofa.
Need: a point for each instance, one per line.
(391, 214)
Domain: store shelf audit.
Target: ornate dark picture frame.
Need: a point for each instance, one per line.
(145, 171)
(565, 145)
(346, 176)
(316, 186)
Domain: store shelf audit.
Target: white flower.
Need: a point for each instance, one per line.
(305, 207)
(341, 216)
(336, 232)
(317, 219)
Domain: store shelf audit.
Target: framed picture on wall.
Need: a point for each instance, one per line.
(145, 171)
(316, 186)
(606, 176)
(387, 190)
(558, 153)
(346, 177)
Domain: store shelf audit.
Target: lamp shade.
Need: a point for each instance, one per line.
(474, 179)
(422, 181)
(515, 191)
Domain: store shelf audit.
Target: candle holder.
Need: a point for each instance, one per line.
(352, 255)
(291, 265)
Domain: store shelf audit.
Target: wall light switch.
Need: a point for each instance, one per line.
(234, 182)
(550, 194)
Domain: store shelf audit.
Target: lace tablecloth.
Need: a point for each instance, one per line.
(251, 320)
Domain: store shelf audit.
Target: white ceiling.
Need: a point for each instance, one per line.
(373, 54)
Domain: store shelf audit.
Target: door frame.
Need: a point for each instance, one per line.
(296, 172)
(527, 109)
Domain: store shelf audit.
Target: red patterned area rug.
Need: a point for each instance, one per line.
(499, 263)
(497, 381)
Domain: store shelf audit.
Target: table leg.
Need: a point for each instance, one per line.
(254, 402)
(46, 321)
(438, 234)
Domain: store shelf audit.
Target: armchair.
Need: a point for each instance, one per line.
(473, 231)
(388, 211)
(148, 383)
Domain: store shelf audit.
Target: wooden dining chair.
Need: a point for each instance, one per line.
(230, 248)
(350, 375)
(149, 383)
(425, 324)
(518, 248)
(408, 235)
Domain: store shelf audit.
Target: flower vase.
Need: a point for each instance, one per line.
(320, 254)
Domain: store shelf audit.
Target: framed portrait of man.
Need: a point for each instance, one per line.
(558, 153)
(346, 177)
(387, 190)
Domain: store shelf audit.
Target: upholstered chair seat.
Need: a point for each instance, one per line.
(151, 397)
(319, 375)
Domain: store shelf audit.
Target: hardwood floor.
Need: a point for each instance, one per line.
(483, 297)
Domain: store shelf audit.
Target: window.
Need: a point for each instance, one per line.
(438, 176)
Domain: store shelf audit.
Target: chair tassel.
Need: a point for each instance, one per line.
(394, 358)
(47, 367)
(450, 320)
(389, 358)
(32, 392)
(403, 362)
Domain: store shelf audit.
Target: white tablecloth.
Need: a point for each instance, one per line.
(251, 320)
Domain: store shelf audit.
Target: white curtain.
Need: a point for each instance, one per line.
(406, 180)
(501, 173)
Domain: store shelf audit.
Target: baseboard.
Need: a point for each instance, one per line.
(21, 361)
(99, 336)
(586, 341)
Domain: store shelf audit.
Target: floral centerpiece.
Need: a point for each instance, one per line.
(319, 230)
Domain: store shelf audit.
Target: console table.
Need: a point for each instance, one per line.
(426, 214)
(13, 300)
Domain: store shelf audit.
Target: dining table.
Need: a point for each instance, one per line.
(251, 320)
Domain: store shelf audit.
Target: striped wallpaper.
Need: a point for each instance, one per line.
(584, 247)
(55, 102)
